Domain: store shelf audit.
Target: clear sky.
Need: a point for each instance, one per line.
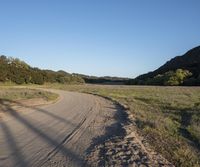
(98, 37)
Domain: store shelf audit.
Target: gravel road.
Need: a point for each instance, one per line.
(59, 134)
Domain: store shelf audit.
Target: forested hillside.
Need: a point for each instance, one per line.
(19, 72)
(181, 70)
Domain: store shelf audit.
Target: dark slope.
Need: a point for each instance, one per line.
(189, 61)
(103, 80)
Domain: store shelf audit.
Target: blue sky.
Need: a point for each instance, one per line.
(98, 37)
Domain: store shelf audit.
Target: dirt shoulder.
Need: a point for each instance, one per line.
(126, 149)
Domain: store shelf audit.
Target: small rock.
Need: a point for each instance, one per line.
(109, 153)
(120, 153)
(144, 158)
(136, 152)
(128, 153)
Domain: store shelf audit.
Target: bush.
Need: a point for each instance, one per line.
(176, 78)
(37, 78)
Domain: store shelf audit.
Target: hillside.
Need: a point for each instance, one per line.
(17, 71)
(189, 62)
(103, 80)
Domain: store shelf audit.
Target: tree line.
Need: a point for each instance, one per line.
(19, 72)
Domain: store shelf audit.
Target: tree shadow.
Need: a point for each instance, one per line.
(185, 115)
(61, 119)
(113, 130)
(18, 156)
(57, 146)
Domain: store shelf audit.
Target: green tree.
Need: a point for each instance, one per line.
(37, 78)
(176, 78)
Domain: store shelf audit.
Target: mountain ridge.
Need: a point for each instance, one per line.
(188, 62)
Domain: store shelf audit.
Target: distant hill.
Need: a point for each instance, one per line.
(103, 80)
(17, 71)
(190, 62)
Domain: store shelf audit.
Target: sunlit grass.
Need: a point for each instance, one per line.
(168, 117)
(12, 93)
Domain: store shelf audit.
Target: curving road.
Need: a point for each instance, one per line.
(58, 134)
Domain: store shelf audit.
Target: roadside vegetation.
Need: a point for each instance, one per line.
(168, 117)
(13, 94)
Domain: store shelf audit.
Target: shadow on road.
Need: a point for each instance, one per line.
(18, 156)
(58, 147)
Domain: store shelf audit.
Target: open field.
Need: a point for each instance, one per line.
(168, 117)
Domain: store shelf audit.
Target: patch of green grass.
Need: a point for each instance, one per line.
(169, 117)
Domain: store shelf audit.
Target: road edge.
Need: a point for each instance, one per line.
(131, 134)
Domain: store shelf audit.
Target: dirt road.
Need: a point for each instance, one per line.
(58, 134)
(78, 130)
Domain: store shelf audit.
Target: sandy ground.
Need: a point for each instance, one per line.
(59, 134)
(78, 130)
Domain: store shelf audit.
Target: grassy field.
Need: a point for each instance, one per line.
(11, 93)
(168, 117)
